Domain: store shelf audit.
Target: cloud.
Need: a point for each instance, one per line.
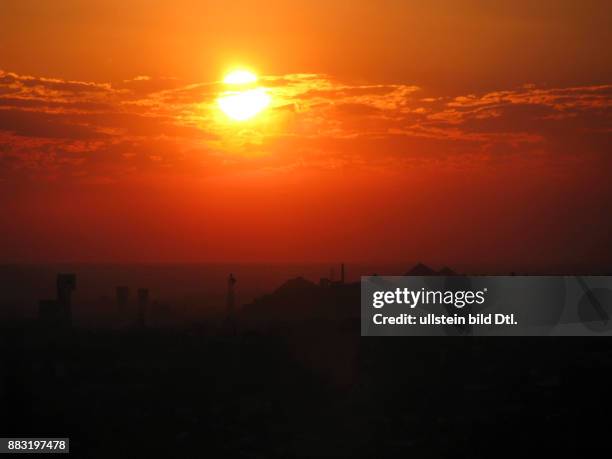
(51, 85)
(45, 125)
(315, 121)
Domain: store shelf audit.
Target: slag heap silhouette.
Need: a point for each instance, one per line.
(301, 299)
(423, 270)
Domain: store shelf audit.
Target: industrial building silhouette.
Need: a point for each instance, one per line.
(306, 383)
(59, 311)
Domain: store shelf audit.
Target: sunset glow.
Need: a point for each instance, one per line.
(277, 139)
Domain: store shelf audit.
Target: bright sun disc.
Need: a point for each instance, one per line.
(240, 77)
(244, 100)
(243, 105)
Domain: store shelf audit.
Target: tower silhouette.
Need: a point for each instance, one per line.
(122, 296)
(143, 306)
(59, 311)
(231, 296)
(66, 283)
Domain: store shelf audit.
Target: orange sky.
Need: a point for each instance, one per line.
(450, 132)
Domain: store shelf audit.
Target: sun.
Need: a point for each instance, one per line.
(243, 105)
(243, 101)
(240, 77)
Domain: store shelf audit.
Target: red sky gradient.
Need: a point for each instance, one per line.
(456, 133)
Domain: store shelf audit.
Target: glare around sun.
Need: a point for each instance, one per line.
(242, 101)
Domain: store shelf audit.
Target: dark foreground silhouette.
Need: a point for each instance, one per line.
(300, 384)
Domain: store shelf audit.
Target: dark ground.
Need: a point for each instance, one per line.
(308, 389)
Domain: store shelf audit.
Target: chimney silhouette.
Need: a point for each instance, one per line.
(231, 295)
(342, 273)
(143, 306)
(123, 295)
(66, 283)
